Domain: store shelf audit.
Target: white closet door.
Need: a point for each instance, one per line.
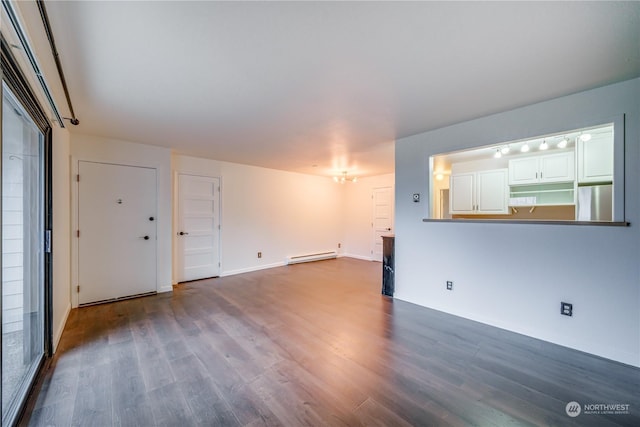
(382, 224)
(198, 227)
(117, 225)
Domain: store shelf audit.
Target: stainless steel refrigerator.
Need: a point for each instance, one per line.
(595, 202)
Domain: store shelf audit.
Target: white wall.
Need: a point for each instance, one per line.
(514, 276)
(358, 214)
(61, 236)
(92, 148)
(275, 212)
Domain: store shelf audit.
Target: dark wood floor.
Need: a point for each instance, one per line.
(312, 344)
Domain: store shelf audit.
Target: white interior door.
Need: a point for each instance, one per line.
(198, 231)
(382, 218)
(117, 231)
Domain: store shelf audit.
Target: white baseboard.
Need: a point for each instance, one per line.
(163, 289)
(250, 269)
(280, 264)
(364, 258)
(60, 329)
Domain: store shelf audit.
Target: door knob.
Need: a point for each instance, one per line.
(183, 233)
(145, 237)
(151, 218)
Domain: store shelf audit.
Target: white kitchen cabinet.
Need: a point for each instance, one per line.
(462, 193)
(543, 169)
(595, 159)
(557, 167)
(479, 193)
(524, 171)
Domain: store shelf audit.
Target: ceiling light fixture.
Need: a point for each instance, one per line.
(585, 137)
(344, 178)
(498, 154)
(440, 174)
(524, 148)
(563, 142)
(505, 149)
(543, 146)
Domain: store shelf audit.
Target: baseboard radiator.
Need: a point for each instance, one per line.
(311, 257)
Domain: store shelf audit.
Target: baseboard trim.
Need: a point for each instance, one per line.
(250, 269)
(280, 264)
(364, 258)
(60, 330)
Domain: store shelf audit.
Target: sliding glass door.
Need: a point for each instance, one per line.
(23, 257)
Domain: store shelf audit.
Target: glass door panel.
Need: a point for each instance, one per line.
(22, 253)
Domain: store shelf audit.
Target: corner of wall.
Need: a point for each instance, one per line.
(59, 328)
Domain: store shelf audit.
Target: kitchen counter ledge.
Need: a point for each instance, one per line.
(548, 222)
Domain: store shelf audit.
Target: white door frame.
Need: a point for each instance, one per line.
(373, 214)
(75, 206)
(177, 264)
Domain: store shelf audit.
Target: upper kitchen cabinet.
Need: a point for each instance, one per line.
(462, 188)
(479, 193)
(543, 169)
(595, 156)
(524, 171)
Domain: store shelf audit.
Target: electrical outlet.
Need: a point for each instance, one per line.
(566, 309)
(259, 254)
(449, 285)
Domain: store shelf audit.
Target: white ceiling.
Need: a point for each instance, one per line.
(289, 85)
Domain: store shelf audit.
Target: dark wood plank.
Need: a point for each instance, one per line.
(249, 408)
(312, 344)
(131, 405)
(206, 403)
(154, 366)
(170, 407)
(373, 413)
(93, 403)
(56, 414)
